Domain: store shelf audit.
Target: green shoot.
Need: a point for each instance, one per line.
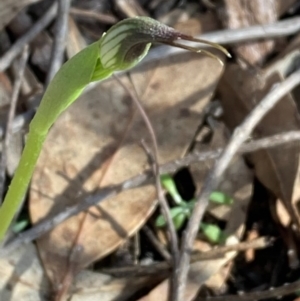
(122, 47)
(20, 226)
(212, 232)
(168, 183)
(220, 198)
(178, 214)
(183, 210)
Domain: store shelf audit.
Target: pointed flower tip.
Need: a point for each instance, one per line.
(212, 44)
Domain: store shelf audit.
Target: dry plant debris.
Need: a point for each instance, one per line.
(94, 153)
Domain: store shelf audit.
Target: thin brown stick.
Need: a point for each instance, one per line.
(11, 114)
(157, 244)
(239, 136)
(160, 195)
(8, 57)
(107, 192)
(249, 147)
(59, 43)
(218, 252)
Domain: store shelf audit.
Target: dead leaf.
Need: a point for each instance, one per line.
(282, 213)
(250, 254)
(189, 21)
(199, 273)
(22, 276)
(76, 41)
(90, 286)
(14, 151)
(5, 93)
(130, 8)
(276, 168)
(87, 139)
(244, 13)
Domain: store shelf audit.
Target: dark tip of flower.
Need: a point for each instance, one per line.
(180, 36)
(215, 45)
(195, 49)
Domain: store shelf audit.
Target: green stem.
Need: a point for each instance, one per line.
(20, 181)
(64, 89)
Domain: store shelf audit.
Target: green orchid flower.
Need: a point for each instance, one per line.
(122, 47)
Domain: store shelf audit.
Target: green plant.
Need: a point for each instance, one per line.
(122, 47)
(183, 210)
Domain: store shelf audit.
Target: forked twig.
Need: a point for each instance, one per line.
(160, 195)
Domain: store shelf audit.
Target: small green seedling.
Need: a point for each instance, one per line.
(121, 48)
(213, 233)
(183, 210)
(220, 198)
(20, 226)
(168, 183)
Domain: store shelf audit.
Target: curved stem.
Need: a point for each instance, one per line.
(63, 90)
(20, 181)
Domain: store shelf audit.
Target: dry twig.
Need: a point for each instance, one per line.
(239, 136)
(218, 252)
(157, 244)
